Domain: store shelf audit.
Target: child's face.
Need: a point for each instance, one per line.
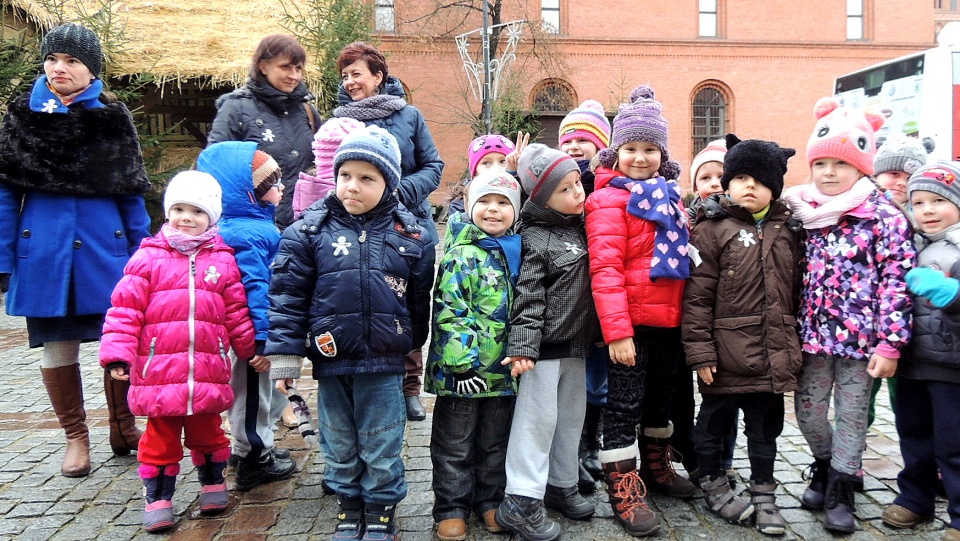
(494, 161)
(832, 176)
(708, 179)
(933, 212)
(567, 197)
(895, 184)
(579, 149)
(188, 219)
(494, 214)
(639, 160)
(274, 194)
(360, 186)
(747, 192)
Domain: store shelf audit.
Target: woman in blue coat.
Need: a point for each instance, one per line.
(71, 213)
(368, 93)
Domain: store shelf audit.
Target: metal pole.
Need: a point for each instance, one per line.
(487, 117)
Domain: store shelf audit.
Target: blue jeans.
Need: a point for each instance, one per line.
(468, 448)
(361, 419)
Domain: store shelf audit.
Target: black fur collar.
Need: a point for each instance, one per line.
(85, 152)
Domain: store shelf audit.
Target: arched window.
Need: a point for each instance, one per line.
(554, 96)
(709, 116)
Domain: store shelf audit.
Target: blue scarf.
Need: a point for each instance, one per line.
(509, 245)
(657, 200)
(42, 100)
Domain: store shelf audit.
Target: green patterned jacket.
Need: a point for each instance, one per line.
(471, 314)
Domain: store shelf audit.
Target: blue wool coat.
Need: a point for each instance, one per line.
(66, 249)
(351, 293)
(246, 225)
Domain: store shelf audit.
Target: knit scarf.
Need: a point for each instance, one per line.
(509, 246)
(184, 243)
(817, 210)
(373, 108)
(657, 200)
(44, 100)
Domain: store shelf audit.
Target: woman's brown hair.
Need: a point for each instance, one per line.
(359, 50)
(274, 46)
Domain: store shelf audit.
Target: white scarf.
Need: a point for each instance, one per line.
(817, 209)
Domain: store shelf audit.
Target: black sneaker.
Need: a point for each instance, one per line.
(267, 469)
(525, 517)
(278, 452)
(569, 502)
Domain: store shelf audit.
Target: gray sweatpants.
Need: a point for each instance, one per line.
(547, 421)
(850, 384)
(251, 421)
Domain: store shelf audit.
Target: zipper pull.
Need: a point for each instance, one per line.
(399, 327)
(363, 236)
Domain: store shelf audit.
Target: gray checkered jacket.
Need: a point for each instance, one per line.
(553, 313)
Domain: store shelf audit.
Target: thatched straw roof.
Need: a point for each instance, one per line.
(177, 40)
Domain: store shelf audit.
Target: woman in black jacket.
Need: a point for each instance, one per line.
(273, 109)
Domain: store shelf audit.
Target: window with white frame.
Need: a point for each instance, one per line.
(708, 18)
(854, 19)
(384, 16)
(550, 14)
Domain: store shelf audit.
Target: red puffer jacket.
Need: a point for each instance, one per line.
(173, 321)
(621, 247)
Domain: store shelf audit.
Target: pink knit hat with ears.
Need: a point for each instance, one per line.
(844, 134)
(486, 144)
(328, 139)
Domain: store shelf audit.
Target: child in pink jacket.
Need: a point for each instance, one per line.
(176, 312)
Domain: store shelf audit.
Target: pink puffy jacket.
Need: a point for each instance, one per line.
(173, 321)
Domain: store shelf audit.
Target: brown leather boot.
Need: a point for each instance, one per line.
(627, 491)
(124, 434)
(657, 464)
(66, 395)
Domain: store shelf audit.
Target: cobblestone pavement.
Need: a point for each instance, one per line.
(37, 503)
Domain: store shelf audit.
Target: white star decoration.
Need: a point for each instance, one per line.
(746, 238)
(571, 247)
(340, 247)
(211, 274)
(268, 136)
(50, 105)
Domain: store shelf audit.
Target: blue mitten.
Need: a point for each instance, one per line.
(934, 285)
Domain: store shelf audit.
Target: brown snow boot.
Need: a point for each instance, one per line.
(627, 492)
(656, 468)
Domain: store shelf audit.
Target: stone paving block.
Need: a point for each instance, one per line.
(28, 510)
(13, 525)
(253, 519)
(296, 518)
(37, 534)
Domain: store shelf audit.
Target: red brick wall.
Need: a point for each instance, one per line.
(775, 58)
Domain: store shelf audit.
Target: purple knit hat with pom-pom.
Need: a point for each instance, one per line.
(641, 120)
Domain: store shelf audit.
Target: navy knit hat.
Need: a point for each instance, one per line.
(77, 41)
(765, 161)
(373, 145)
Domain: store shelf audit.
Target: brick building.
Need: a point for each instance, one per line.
(753, 67)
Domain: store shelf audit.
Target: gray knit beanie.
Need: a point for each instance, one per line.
(900, 153)
(77, 41)
(541, 169)
(940, 177)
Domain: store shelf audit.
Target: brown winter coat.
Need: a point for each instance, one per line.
(740, 302)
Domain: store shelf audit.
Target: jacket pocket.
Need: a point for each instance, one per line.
(146, 365)
(328, 340)
(739, 341)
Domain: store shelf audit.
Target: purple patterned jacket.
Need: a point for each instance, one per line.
(854, 301)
